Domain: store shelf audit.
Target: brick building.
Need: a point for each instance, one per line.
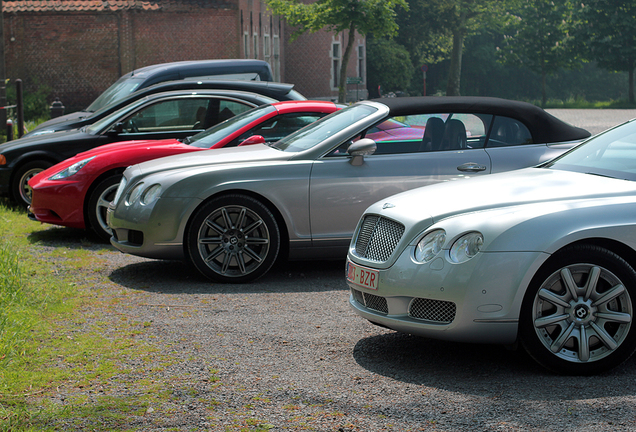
(80, 47)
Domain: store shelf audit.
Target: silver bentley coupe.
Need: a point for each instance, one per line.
(232, 212)
(543, 255)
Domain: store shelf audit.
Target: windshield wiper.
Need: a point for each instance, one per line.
(601, 175)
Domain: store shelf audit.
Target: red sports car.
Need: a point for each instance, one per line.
(76, 192)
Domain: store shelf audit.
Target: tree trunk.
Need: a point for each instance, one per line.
(455, 73)
(631, 86)
(342, 85)
(544, 97)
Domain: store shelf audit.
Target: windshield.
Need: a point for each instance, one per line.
(211, 136)
(107, 121)
(122, 88)
(317, 132)
(610, 154)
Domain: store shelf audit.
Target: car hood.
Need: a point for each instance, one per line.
(28, 141)
(70, 118)
(498, 191)
(138, 145)
(229, 156)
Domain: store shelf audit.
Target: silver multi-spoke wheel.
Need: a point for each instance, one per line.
(581, 314)
(233, 239)
(97, 205)
(22, 192)
(25, 190)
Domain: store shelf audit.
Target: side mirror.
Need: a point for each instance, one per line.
(116, 129)
(254, 139)
(360, 148)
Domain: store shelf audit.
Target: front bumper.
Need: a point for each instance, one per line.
(153, 231)
(476, 301)
(59, 203)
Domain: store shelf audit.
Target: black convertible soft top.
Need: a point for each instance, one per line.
(544, 127)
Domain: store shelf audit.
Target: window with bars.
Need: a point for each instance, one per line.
(335, 55)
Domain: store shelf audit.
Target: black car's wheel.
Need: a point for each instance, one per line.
(233, 239)
(97, 205)
(20, 190)
(576, 317)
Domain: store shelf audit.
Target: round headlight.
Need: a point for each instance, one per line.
(151, 194)
(134, 194)
(430, 245)
(69, 171)
(466, 247)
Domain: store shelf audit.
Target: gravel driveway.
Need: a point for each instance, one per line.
(286, 353)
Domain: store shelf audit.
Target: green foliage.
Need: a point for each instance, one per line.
(425, 31)
(391, 68)
(606, 30)
(537, 37)
(35, 105)
(365, 17)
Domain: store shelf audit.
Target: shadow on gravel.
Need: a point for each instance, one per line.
(482, 370)
(54, 236)
(172, 277)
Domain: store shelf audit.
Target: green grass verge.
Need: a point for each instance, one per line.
(56, 371)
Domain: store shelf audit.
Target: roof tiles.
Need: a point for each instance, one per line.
(9, 6)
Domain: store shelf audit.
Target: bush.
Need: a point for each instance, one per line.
(35, 107)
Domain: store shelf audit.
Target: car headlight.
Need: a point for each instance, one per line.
(134, 194)
(151, 194)
(71, 170)
(120, 189)
(430, 245)
(466, 247)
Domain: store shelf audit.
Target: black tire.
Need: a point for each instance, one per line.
(577, 316)
(97, 205)
(20, 190)
(233, 239)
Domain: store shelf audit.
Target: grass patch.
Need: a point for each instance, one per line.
(62, 368)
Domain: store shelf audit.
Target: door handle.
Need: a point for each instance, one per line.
(471, 167)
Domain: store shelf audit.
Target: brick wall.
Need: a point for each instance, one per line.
(76, 55)
(80, 54)
(309, 61)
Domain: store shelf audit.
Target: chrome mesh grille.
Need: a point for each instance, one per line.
(371, 301)
(378, 238)
(358, 296)
(432, 310)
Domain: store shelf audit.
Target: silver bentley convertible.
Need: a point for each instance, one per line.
(543, 255)
(232, 212)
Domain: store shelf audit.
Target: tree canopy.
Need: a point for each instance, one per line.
(607, 30)
(375, 17)
(538, 37)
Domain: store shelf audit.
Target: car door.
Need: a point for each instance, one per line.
(177, 117)
(510, 146)
(404, 159)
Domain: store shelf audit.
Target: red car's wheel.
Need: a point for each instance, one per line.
(97, 205)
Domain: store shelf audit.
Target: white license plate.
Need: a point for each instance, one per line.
(362, 276)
